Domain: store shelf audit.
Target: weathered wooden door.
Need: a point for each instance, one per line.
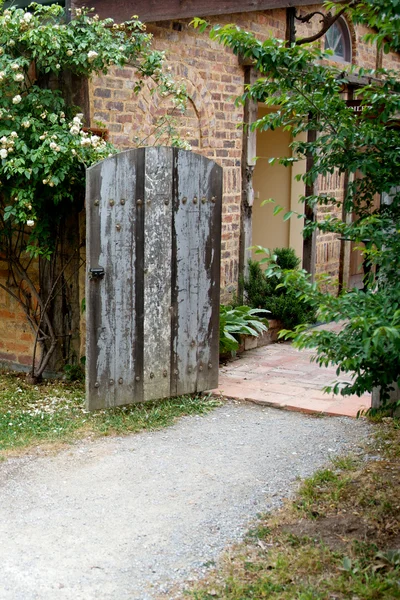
(153, 265)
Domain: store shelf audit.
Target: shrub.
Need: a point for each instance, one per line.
(236, 321)
(264, 291)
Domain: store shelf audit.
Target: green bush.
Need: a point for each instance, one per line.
(236, 321)
(262, 291)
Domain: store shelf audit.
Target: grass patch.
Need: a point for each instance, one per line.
(54, 412)
(338, 539)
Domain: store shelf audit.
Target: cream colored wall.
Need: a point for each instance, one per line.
(277, 182)
(297, 189)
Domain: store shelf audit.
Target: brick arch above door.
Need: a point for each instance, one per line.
(134, 119)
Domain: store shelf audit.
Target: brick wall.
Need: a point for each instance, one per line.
(212, 125)
(328, 245)
(16, 336)
(214, 79)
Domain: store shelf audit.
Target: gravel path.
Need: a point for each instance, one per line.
(126, 518)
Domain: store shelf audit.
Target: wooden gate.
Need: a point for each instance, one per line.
(153, 257)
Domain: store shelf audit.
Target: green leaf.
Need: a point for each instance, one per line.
(277, 210)
(287, 215)
(267, 201)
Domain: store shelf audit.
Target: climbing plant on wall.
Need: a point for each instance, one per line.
(45, 147)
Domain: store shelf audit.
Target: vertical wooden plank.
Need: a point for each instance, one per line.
(101, 223)
(174, 280)
(139, 274)
(124, 280)
(93, 292)
(186, 249)
(157, 276)
(110, 300)
(209, 275)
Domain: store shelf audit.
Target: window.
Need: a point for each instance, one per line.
(338, 40)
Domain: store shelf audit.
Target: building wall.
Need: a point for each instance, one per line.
(214, 79)
(16, 336)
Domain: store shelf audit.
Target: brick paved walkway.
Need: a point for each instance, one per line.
(281, 376)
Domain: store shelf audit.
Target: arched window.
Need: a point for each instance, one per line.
(338, 39)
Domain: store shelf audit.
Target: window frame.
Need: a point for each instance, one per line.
(344, 30)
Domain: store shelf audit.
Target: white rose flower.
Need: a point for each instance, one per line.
(4, 140)
(17, 99)
(43, 115)
(92, 55)
(11, 43)
(30, 223)
(51, 184)
(2, 74)
(58, 66)
(76, 120)
(70, 52)
(3, 153)
(28, 17)
(74, 130)
(19, 77)
(15, 66)
(53, 145)
(85, 142)
(73, 152)
(14, 134)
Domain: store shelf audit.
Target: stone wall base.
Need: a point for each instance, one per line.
(248, 342)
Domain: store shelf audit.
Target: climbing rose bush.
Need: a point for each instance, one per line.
(44, 146)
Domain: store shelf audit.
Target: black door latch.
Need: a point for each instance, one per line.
(96, 273)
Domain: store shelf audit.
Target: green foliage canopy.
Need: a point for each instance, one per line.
(304, 92)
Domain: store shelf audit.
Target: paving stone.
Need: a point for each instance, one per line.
(284, 377)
